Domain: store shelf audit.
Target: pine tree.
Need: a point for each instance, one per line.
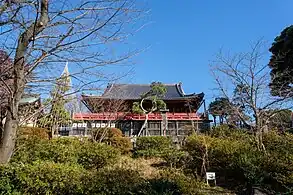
(281, 64)
(56, 114)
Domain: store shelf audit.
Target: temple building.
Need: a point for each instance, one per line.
(114, 109)
(28, 109)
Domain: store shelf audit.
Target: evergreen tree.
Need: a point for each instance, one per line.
(56, 115)
(150, 102)
(281, 64)
(219, 107)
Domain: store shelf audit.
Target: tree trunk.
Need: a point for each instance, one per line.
(12, 118)
(144, 124)
(8, 139)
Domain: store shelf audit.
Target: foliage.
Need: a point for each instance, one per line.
(229, 158)
(153, 142)
(226, 132)
(155, 95)
(29, 132)
(136, 108)
(160, 146)
(239, 164)
(113, 137)
(281, 63)
(60, 150)
(56, 178)
(57, 114)
(105, 133)
(179, 183)
(123, 144)
(175, 158)
(280, 119)
(117, 181)
(152, 146)
(219, 107)
(42, 178)
(94, 156)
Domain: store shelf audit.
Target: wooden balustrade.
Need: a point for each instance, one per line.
(130, 116)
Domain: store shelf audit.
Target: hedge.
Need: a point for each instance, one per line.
(66, 150)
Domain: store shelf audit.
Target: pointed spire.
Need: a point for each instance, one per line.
(65, 71)
(66, 75)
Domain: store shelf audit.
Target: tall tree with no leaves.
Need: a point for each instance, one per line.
(44, 33)
(243, 79)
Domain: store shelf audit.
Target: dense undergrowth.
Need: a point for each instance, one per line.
(156, 166)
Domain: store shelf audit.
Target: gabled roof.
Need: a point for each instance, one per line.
(134, 92)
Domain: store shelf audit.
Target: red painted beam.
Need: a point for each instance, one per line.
(129, 116)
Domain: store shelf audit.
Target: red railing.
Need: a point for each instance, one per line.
(129, 116)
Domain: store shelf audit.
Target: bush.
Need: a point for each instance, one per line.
(175, 158)
(239, 164)
(59, 178)
(107, 133)
(28, 132)
(117, 181)
(56, 150)
(174, 182)
(226, 132)
(43, 178)
(153, 146)
(95, 156)
(113, 137)
(229, 158)
(66, 150)
(123, 144)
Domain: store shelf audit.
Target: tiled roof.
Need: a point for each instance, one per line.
(134, 92)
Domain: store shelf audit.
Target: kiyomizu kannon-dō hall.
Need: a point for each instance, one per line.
(114, 109)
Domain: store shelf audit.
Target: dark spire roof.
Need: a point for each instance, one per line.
(134, 91)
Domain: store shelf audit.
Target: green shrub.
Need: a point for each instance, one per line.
(278, 163)
(226, 132)
(66, 150)
(59, 178)
(43, 178)
(153, 142)
(153, 146)
(240, 164)
(174, 182)
(123, 144)
(231, 159)
(175, 158)
(116, 181)
(56, 150)
(113, 137)
(95, 156)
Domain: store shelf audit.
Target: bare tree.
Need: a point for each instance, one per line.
(243, 79)
(43, 33)
(113, 109)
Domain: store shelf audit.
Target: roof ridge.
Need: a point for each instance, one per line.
(137, 84)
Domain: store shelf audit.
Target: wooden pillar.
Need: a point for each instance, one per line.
(131, 129)
(164, 122)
